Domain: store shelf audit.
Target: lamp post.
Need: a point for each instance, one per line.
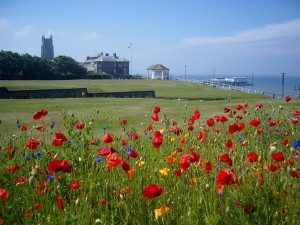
(282, 95)
(184, 72)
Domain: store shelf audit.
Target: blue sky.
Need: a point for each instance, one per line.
(230, 37)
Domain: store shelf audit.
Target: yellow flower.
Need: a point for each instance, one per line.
(140, 163)
(172, 139)
(193, 181)
(186, 135)
(164, 171)
(162, 211)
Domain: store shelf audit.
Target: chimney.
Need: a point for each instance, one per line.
(106, 54)
(115, 55)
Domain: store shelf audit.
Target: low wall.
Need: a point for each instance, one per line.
(70, 93)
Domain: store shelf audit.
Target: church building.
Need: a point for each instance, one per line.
(47, 50)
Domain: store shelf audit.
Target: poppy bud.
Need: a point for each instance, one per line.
(77, 201)
(98, 221)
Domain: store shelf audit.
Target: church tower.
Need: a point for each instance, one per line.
(47, 51)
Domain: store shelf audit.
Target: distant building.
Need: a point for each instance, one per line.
(115, 66)
(47, 50)
(158, 72)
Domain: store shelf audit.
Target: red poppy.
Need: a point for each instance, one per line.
(194, 157)
(296, 113)
(288, 98)
(259, 130)
(278, 156)
(178, 173)
(273, 167)
(259, 106)
(38, 206)
(12, 169)
(296, 173)
(223, 119)
(150, 127)
(123, 122)
(113, 160)
(272, 123)
(32, 143)
(60, 165)
(226, 110)
(75, 185)
(104, 151)
(158, 139)
(59, 139)
(208, 167)
(294, 120)
(60, 202)
(40, 114)
(125, 166)
(255, 122)
(156, 109)
(155, 117)
(190, 127)
(133, 135)
(224, 157)
(252, 157)
(285, 142)
(185, 161)
(210, 122)
(217, 129)
(80, 126)
(229, 143)
(239, 117)
(239, 107)
(23, 128)
(196, 115)
(226, 177)
(123, 142)
(233, 128)
(4, 194)
(107, 138)
(176, 131)
(152, 191)
(133, 154)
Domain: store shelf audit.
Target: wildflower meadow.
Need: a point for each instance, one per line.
(240, 166)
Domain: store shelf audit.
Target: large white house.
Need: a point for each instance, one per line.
(158, 72)
(113, 65)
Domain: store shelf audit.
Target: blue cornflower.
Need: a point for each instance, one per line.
(99, 159)
(26, 157)
(104, 127)
(19, 126)
(53, 122)
(130, 149)
(219, 192)
(50, 177)
(150, 137)
(38, 153)
(81, 146)
(240, 137)
(297, 144)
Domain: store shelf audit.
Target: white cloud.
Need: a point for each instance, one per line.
(90, 36)
(3, 24)
(24, 32)
(288, 29)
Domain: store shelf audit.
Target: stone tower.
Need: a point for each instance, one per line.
(47, 51)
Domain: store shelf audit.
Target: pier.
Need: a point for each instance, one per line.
(231, 87)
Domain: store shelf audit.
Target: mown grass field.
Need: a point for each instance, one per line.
(114, 109)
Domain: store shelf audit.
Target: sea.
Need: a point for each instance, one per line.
(269, 84)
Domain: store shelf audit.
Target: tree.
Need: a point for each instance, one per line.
(67, 66)
(10, 63)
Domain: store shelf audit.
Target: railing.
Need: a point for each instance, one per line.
(232, 87)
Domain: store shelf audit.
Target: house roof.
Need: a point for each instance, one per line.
(157, 67)
(111, 58)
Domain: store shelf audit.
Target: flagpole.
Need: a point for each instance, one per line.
(130, 46)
